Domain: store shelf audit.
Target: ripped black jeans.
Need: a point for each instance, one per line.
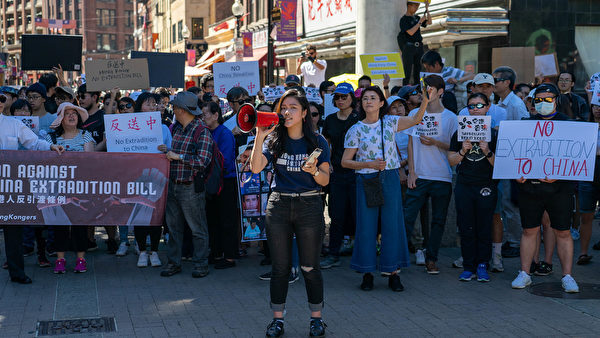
(302, 216)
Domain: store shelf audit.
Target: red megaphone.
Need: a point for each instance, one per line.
(248, 118)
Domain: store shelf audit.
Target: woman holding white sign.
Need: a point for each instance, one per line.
(370, 149)
(475, 192)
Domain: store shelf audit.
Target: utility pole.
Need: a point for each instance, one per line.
(270, 52)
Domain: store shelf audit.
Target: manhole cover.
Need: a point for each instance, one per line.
(75, 326)
(555, 290)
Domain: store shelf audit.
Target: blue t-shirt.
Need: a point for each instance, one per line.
(289, 177)
(226, 143)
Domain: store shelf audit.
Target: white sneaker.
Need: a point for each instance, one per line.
(143, 260)
(122, 249)
(497, 265)
(154, 259)
(523, 280)
(458, 263)
(569, 284)
(420, 255)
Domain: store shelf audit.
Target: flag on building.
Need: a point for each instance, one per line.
(53, 23)
(69, 24)
(39, 22)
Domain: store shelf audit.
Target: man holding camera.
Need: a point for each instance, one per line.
(311, 69)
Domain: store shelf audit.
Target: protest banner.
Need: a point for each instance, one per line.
(546, 65)
(42, 52)
(236, 74)
(247, 40)
(474, 128)
(133, 132)
(328, 105)
(596, 94)
(165, 69)
(253, 197)
(33, 122)
(375, 65)
(44, 188)
(313, 95)
(124, 74)
(430, 126)
(533, 149)
(273, 93)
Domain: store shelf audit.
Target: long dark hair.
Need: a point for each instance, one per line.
(382, 111)
(145, 96)
(278, 142)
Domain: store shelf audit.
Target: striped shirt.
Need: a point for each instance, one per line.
(451, 73)
(73, 144)
(195, 147)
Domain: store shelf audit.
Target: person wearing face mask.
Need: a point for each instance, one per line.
(553, 196)
(475, 194)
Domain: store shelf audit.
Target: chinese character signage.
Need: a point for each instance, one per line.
(474, 128)
(125, 74)
(236, 74)
(82, 188)
(134, 132)
(286, 29)
(322, 16)
(247, 40)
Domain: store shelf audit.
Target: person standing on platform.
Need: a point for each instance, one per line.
(410, 40)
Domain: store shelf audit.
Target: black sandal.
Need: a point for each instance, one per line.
(584, 259)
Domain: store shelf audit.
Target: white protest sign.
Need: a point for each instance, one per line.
(430, 126)
(236, 74)
(313, 95)
(328, 105)
(33, 122)
(546, 65)
(134, 132)
(537, 149)
(474, 128)
(273, 93)
(596, 94)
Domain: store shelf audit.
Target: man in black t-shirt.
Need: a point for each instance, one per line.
(95, 123)
(550, 195)
(410, 40)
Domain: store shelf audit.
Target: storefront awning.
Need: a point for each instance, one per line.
(193, 71)
(260, 55)
(210, 61)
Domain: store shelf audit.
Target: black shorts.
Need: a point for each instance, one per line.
(558, 203)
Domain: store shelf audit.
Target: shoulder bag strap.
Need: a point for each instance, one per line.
(382, 144)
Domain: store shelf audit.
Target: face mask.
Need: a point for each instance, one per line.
(545, 108)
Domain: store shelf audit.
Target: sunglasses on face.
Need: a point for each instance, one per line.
(241, 102)
(499, 79)
(314, 114)
(340, 97)
(477, 105)
(2, 99)
(125, 106)
(32, 98)
(543, 99)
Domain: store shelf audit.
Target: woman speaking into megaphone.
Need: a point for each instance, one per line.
(301, 162)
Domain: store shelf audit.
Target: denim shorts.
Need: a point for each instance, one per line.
(589, 195)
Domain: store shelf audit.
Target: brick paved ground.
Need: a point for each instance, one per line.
(234, 302)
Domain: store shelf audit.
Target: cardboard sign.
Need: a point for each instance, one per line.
(375, 65)
(537, 149)
(474, 128)
(330, 108)
(596, 94)
(546, 65)
(133, 133)
(273, 93)
(108, 74)
(42, 188)
(33, 122)
(520, 59)
(313, 95)
(165, 69)
(236, 74)
(42, 52)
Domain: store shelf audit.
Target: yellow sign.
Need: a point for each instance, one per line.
(375, 65)
(421, 1)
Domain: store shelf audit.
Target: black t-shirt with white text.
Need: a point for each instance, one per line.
(474, 169)
(95, 125)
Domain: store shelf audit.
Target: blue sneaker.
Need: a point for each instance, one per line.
(575, 234)
(482, 274)
(465, 276)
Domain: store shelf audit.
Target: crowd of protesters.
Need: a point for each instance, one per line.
(368, 139)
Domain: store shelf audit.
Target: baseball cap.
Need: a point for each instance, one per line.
(292, 79)
(344, 88)
(9, 90)
(393, 99)
(405, 91)
(482, 78)
(546, 88)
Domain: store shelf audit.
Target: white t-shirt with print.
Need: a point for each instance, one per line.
(312, 74)
(367, 139)
(431, 162)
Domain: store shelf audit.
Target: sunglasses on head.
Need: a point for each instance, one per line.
(477, 105)
(543, 99)
(125, 106)
(499, 79)
(340, 97)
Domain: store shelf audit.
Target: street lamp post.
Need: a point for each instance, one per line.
(237, 9)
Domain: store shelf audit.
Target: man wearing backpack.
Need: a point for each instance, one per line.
(190, 156)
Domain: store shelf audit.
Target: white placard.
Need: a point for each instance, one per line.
(236, 74)
(328, 105)
(545, 65)
(133, 132)
(596, 94)
(33, 122)
(273, 93)
(430, 126)
(323, 16)
(313, 95)
(537, 149)
(474, 128)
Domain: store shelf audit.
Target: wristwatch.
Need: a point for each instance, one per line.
(316, 173)
(181, 157)
(386, 87)
(489, 154)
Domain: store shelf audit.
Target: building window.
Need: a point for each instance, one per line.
(105, 42)
(179, 30)
(68, 15)
(197, 28)
(129, 42)
(106, 17)
(129, 18)
(174, 34)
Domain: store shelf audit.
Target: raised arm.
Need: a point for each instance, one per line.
(405, 122)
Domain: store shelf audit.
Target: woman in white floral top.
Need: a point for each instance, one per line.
(363, 153)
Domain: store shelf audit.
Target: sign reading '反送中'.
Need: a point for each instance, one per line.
(82, 188)
(546, 149)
